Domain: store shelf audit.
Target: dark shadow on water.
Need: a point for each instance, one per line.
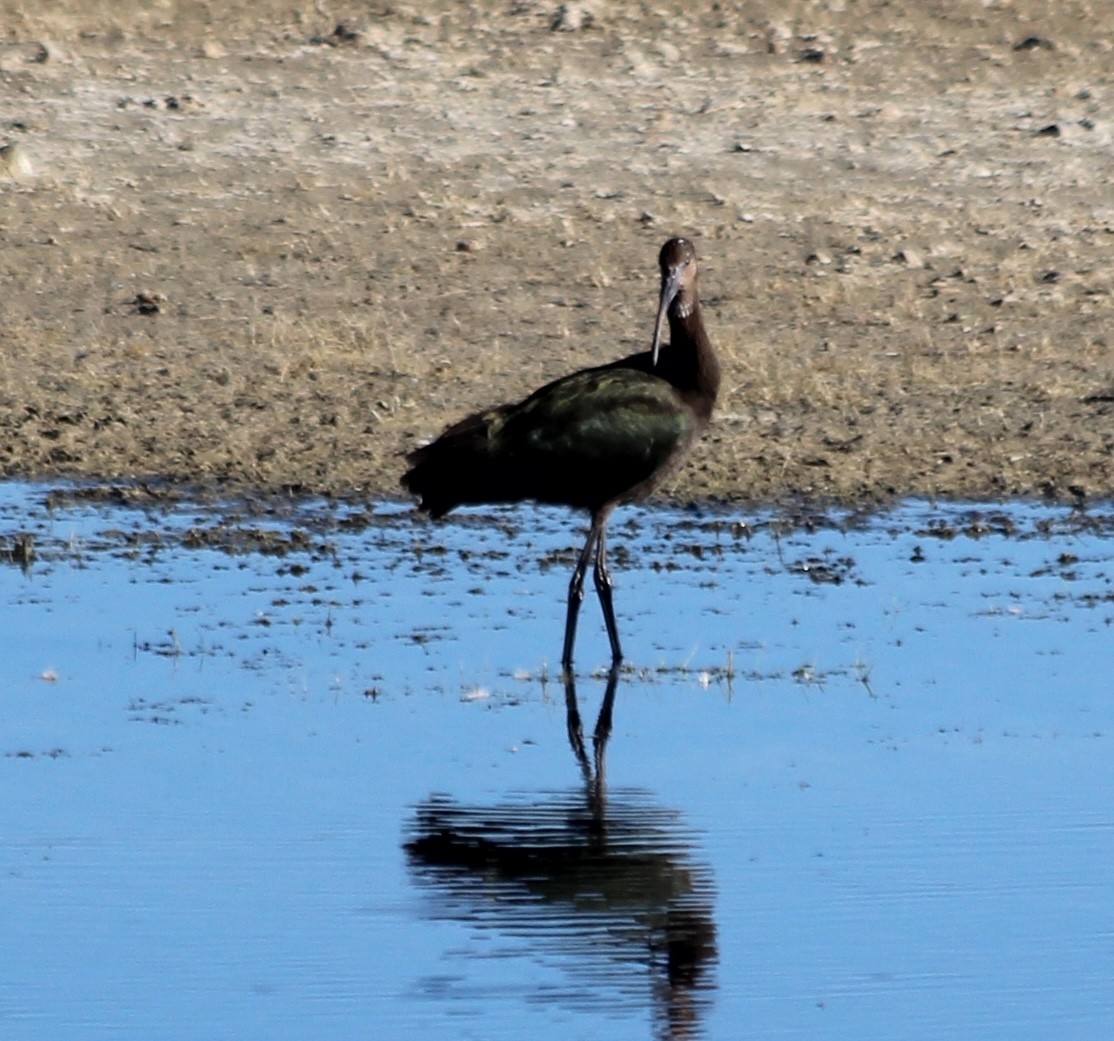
(603, 882)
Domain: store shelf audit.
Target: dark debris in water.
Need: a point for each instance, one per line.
(978, 524)
(171, 647)
(827, 569)
(18, 549)
(165, 712)
(236, 539)
(972, 526)
(24, 753)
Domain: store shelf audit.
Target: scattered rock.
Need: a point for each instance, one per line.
(14, 164)
(777, 37)
(46, 51)
(344, 33)
(571, 18)
(179, 102)
(171, 103)
(1034, 43)
(909, 257)
(146, 303)
(671, 55)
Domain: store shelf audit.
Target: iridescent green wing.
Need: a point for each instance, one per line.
(611, 417)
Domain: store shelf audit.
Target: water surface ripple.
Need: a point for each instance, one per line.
(309, 769)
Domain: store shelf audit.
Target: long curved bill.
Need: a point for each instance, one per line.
(670, 287)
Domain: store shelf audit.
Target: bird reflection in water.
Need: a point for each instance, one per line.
(604, 880)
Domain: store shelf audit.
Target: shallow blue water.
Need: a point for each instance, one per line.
(859, 782)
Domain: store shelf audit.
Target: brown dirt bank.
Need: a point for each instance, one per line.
(241, 248)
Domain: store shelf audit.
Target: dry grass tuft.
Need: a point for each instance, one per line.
(250, 254)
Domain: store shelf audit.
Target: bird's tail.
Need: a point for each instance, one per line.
(455, 468)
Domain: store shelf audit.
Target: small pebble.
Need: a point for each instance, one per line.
(570, 18)
(14, 164)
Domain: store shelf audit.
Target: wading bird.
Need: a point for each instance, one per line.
(592, 440)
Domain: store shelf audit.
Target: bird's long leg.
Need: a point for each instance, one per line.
(576, 592)
(603, 587)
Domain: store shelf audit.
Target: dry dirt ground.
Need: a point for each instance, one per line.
(272, 245)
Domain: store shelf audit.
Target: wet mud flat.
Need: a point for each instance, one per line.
(277, 525)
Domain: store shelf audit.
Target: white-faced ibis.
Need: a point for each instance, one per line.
(593, 440)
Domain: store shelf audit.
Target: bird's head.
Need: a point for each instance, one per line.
(678, 285)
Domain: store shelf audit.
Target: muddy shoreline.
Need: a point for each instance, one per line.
(260, 251)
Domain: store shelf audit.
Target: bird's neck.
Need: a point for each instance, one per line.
(696, 367)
